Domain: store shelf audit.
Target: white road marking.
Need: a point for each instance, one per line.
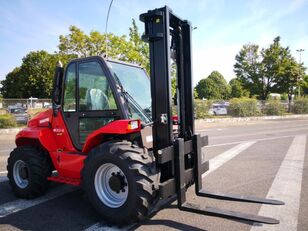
(264, 132)
(221, 159)
(286, 187)
(21, 204)
(3, 173)
(101, 226)
(255, 140)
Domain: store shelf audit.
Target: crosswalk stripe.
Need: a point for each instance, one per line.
(301, 129)
(221, 159)
(21, 204)
(255, 140)
(101, 226)
(286, 187)
(3, 173)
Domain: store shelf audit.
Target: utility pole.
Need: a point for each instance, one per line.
(300, 61)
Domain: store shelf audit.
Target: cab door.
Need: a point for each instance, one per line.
(89, 101)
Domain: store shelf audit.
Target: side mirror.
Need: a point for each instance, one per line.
(57, 86)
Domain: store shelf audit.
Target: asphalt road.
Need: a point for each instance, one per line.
(263, 159)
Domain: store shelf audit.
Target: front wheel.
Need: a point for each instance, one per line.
(28, 170)
(120, 181)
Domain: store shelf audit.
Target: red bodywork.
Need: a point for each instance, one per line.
(50, 133)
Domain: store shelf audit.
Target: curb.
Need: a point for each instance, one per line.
(244, 119)
(211, 120)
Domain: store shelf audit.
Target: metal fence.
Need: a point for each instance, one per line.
(25, 103)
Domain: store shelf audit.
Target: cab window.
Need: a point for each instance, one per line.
(70, 89)
(94, 91)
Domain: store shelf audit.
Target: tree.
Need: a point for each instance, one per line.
(213, 87)
(37, 72)
(132, 50)
(248, 69)
(280, 69)
(139, 46)
(237, 89)
(11, 85)
(304, 85)
(34, 77)
(287, 79)
(196, 96)
(270, 70)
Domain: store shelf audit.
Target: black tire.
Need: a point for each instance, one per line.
(142, 179)
(38, 166)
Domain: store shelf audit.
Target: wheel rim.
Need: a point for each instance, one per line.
(21, 174)
(111, 185)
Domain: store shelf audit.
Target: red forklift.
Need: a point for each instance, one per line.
(110, 131)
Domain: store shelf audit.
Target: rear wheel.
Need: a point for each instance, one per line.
(120, 180)
(28, 169)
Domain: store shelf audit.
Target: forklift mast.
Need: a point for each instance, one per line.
(167, 34)
(169, 37)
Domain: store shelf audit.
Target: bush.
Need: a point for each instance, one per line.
(7, 121)
(2, 111)
(284, 96)
(202, 108)
(273, 107)
(300, 106)
(243, 107)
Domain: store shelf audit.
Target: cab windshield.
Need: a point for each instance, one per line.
(136, 85)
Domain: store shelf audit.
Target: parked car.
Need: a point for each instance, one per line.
(218, 109)
(20, 114)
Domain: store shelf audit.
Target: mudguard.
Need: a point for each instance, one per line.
(117, 127)
(37, 135)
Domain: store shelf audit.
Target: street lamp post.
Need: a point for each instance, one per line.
(300, 61)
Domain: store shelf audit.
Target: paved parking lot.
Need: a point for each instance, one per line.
(263, 158)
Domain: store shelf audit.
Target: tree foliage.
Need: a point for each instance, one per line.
(213, 87)
(139, 49)
(37, 72)
(11, 87)
(237, 90)
(304, 85)
(248, 69)
(267, 71)
(131, 49)
(34, 77)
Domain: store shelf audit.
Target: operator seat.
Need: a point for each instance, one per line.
(96, 99)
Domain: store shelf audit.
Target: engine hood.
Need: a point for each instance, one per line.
(43, 119)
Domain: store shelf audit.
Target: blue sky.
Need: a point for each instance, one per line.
(223, 26)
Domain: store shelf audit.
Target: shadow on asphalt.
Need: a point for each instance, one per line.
(232, 219)
(7, 194)
(168, 223)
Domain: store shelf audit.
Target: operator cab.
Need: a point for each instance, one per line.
(97, 92)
